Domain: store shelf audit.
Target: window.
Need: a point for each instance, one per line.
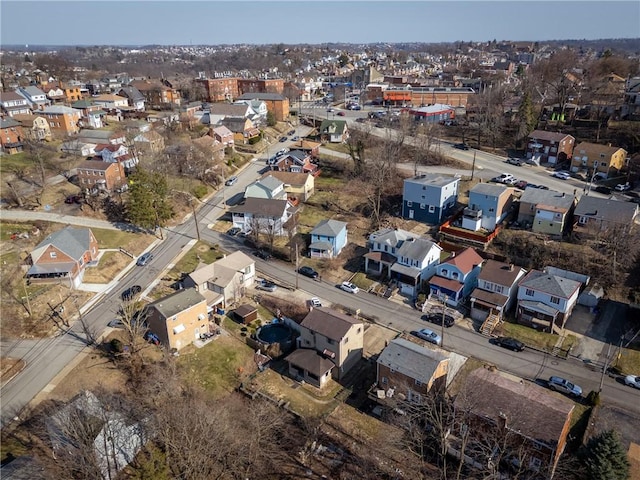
(346, 339)
(529, 292)
(555, 300)
(444, 272)
(432, 209)
(455, 275)
(409, 204)
(53, 255)
(491, 210)
(423, 206)
(535, 463)
(418, 383)
(330, 341)
(383, 380)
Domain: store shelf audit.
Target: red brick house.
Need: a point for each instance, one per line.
(101, 175)
(11, 135)
(549, 147)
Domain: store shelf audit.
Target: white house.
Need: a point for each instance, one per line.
(111, 102)
(268, 216)
(34, 95)
(267, 187)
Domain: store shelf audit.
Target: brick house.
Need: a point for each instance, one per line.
(157, 93)
(260, 85)
(549, 147)
(101, 175)
(220, 89)
(277, 104)
(11, 135)
(34, 127)
(62, 120)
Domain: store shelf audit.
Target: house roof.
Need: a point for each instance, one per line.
(83, 103)
(177, 302)
(289, 178)
(489, 189)
(329, 228)
(33, 91)
(408, 358)
(548, 136)
(270, 182)
(26, 119)
(551, 284)
(103, 134)
(432, 179)
(261, 206)
(10, 96)
(237, 124)
(465, 261)
(95, 165)
(73, 241)
(547, 197)
(596, 149)
(526, 407)
(59, 110)
(298, 155)
(306, 144)
(333, 127)
(311, 361)
(222, 131)
(415, 248)
(236, 261)
(222, 271)
(500, 273)
(446, 283)
(229, 109)
(132, 92)
(391, 236)
(261, 96)
(606, 209)
(491, 298)
(330, 323)
(8, 123)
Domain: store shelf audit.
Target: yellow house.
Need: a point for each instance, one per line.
(595, 158)
(179, 319)
(298, 186)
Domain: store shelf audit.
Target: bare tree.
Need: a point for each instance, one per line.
(41, 156)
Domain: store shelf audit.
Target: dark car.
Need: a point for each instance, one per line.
(283, 139)
(73, 199)
(233, 231)
(510, 343)
(291, 132)
(130, 293)
(603, 189)
(436, 318)
(340, 114)
(308, 272)
(264, 255)
(461, 146)
(144, 259)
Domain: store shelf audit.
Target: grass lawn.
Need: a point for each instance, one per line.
(110, 264)
(361, 280)
(132, 242)
(336, 147)
(12, 162)
(200, 252)
(8, 229)
(544, 341)
(629, 362)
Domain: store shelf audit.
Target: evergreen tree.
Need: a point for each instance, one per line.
(604, 458)
(148, 204)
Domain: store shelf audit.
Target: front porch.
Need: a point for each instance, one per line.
(539, 316)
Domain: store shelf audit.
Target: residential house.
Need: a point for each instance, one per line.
(243, 130)
(62, 120)
(223, 135)
(34, 127)
(549, 147)
(72, 93)
(632, 98)
(92, 114)
(594, 159)
(299, 186)
(456, 277)
(269, 216)
(259, 108)
(149, 142)
(260, 85)
(220, 89)
(328, 239)
(334, 131)
(546, 211)
(267, 187)
(529, 423)
(99, 175)
(489, 204)
(11, 135)
(225, 281)
(308, 365)
(407, 371)
(497, 289)
(276, 103)
(55, 94)
(102, 136)
(429, 198)
(331, 335)
(295, 161)
(157, 93)
(310, 148)
(179, 319)
(63, 256)
(34, 96)
(13, 103)
(546, 300)
(135, 98)
(116, 153)
(219, 111)
(210, 147)
(594, 215)
(404, 257)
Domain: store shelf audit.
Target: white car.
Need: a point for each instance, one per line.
(632, 381)
(349, 287)
(504, 178)
(315, 302)
(623, 187)
(562, 175)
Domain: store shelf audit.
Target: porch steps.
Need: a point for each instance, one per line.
(490, 324)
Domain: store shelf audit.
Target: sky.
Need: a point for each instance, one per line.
(211, 22)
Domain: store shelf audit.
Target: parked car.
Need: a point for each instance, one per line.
(436, 318)
(144, 259)
(560, 384)
(282, 139)
(349, 287)
(461, 146)
(542, 187)
(329, 109)
(231, 181)
(521, 184)
(623, 187)
(308, 272)
(130, 293)
(515, 161)
(152, 338)
(315, 302)
(603, 189)
(233, 231)
(296, 138)
(340, 114)
(263, 254)
(291, 132)
(429, 335)
(562, 175)
(510, 343)
(632, 381)
(504, 178)
(266, 286)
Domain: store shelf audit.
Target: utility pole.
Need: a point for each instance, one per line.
(605, 367)
(195, 218)
(444, 311)
(297, 266)
(473, 165)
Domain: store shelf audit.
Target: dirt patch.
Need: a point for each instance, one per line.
(9, 367)
(111, 263)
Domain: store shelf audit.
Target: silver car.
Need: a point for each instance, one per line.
(565, 386)
(429, 336)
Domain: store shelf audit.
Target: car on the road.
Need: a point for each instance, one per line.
(340, 114)
(266, 285)
(231, 181)
(521, 184)
(349, 287)
(510, 343)
(461, 146)
(296, 138)
(130, 293)
(515, 161)
(263, 254)
(542, 187)
(561, 175)
(291, 132)
(144, 259)
(233, 231)
(603, 189)
(504, 178)
(563, 385)
(436, 318)
(329, 109)
(623, 187)
(632, 381)
(315, 302)
(429, 335)
(308, 272)
(282, 139)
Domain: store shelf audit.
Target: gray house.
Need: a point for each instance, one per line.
(429, 198)
(595, 215)
(328, 239)
(546, 211)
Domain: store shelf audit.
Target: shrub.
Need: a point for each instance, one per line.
(116, 345)
(199, 191)
(593, 398)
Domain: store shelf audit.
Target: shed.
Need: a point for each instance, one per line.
(591, 296)
(246, 313)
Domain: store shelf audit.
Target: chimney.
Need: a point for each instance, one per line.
(511, 267)
(562, 194)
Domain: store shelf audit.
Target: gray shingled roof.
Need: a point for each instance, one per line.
(70, 240)
(434, 179)
(177, 302)
(551, 284)
(328, 322)
(8, 123)
(311, 361)
(415, 361)
(260, 96)
(261, 206)
(548, 136)
(606, 209)
(490, 189)
(390, 236)
(415, 248)
(547, 197)
(328, 228)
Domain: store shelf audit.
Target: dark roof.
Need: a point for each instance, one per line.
(551, 284)
(499, 273)
(8, 123)
(261, 96)
(329, 228)
(491, 298)
(330, 323)
(489, 189)
(311, 361)
(432, 179)
(245, 310)
(606, 209)
(261, 206)
(177, 302)
(95, 165)
(132, 93)
(548, 136)
(526, 407)
(537, 196)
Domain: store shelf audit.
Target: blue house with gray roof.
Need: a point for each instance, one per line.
(429, 198)
(328, 239)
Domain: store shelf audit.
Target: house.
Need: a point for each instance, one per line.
(243, 129)
(96, 174)
(54, 93)
(34, 127)
(135, 98)
(116, 153)
(223, 135)
(488, 206)
(157, 93)
(497, 289)
(259, 108)
(546, 300)
(310, 366)
(266, 187)
(504, 420)
(334, 336)
(429, 198)
(223, 89)
(179, 319)
(11, 135)
(92, 112)
(334, 131)
(407, 371)
(63, 256)
(299, 186)
(594, 215)
(149, 142)
(34, 96)
(219, 111)
(546, 211)
(62, 120)
(72, 93)
(211, 148)
(310, 148)
(268, 216)
(13, 103)
(295, 161)
(102, 136)
(456, 277)
(224, 281)
(549, 147)
(328, 239)
(78, 148)
(276, 103)
(598, 159)
(404, 257)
